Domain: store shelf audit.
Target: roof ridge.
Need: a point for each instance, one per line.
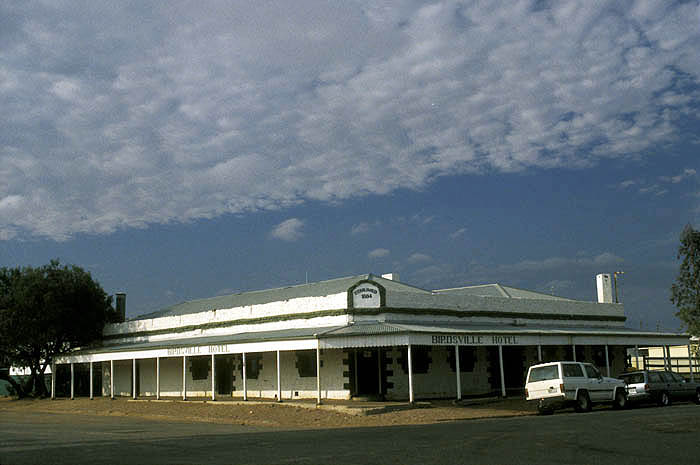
(537, 292)
(466, 287)
(279, 288)
(375, 278)
(212, 300)
(503, 290)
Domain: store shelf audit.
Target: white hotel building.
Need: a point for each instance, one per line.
(356, 337)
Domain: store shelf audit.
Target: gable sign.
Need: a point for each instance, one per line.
(366, 294)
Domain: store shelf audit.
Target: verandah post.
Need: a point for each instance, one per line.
(184, 377)
(213, 378)
(500, 362)
(457, 370)
(133, 379)
(279, 379)
(157, 378)
(245, 381)
(410, 375)
(318, 372)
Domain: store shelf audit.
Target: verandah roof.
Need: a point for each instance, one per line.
(373, 335)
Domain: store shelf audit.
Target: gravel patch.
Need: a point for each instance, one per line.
(284, 415)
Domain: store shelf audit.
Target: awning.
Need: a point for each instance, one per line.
(379, 334)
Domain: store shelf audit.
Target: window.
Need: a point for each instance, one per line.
(549, 354)
(592, 372)
(634, 378)
(420, 357)
(306, 363)
(253, 365)
(666, 376)
(654, 377)
(544, 373)
(581, 353)
(199, 367)
(599, 356)
(572, 370)
(678, 378)
(467, 359)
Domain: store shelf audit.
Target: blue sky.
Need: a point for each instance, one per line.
(190, 149)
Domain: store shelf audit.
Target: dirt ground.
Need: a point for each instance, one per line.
(285, 415)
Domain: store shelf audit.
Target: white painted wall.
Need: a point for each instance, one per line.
(122, 378)
(294, 386)
(402, 300)
(440, 381)
(286, 307)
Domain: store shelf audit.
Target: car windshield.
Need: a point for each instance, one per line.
(544, 373)
(633, 378)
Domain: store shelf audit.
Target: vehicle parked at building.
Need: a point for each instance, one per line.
(561, 384)
(662, 387)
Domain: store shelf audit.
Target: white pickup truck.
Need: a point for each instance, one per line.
(561, 384)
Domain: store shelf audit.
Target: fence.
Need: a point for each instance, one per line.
(680, 365)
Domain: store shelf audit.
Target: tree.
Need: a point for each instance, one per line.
(685, 293)
(46, 311)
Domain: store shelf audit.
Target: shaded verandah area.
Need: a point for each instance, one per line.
(366, 346)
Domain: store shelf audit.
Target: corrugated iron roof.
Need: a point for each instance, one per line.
(372, 329)
(365, 329)
(243, 299)
(280, 335)
(498, 290)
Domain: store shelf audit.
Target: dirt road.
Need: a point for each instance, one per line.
(279, 415)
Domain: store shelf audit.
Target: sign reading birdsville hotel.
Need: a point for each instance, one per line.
(200, 350)
(435, 339)
(473, 340)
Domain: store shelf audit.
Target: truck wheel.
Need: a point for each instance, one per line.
(583, 402)
(543, 409)
(620, 400)
(664, 399)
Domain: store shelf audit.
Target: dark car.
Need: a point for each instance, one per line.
(661, 387)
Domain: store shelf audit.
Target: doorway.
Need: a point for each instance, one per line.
(514, 369)
(224, 374)
(367, 372)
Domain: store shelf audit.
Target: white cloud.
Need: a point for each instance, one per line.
(359, 228)
(657, 188)
(289, 230)
(686, 174)
(378, 253)
(458, 233)
(653, 189)
(155, 113)
(558, 285)
(419, 258)
(553, 263)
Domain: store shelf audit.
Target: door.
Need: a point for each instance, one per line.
(224, 374)
(679, 386)
(671, 385)
(598, 388)
(367, 372)
(514, 369)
